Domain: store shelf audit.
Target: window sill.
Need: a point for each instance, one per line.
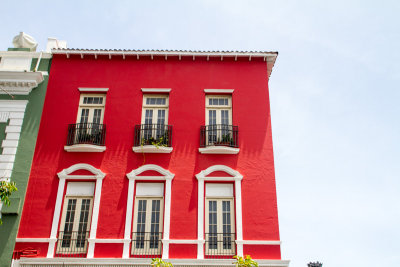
(84, 148)
(219, 150)
(151, 149)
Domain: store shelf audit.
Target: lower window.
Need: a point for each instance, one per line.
(74, 227)
(147, 227)
(220, 235)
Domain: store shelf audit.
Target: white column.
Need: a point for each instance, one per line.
(200, 222)
(239, 222)
(167, 218)
(95, 218)
(128, 219)
(56, 218)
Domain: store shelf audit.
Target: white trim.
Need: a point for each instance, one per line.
(25, 262)
(218, 150)
(152, 149)
(84, 148)
(156, 90)
(183, 241)
(98, 175)
(19, 82)
(133, 176)
(237, 178)
(106, 240)
(90, 89)
(219, 91)
(11, 110)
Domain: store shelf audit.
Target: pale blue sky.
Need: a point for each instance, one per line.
(334, 97)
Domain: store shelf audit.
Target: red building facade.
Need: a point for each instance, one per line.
(153, 154)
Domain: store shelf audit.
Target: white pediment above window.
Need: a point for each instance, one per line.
(19, 82)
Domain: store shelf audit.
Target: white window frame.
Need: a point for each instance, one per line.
(91, 107)
(73, 249)
(219, 108)
(146, 250)
(155, 108)
(220, 250)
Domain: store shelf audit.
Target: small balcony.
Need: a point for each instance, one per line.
(219, 139)
(220, 245)
(86, 137)
(146, 244)
(152, 138)
(72, 244)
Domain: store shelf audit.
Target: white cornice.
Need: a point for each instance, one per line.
(150, 167)
(87, 89)
(156, 90)
(235, 174)
(219, 150)
(84, 148)
(151, 149)
(19, 82)
(66, 173)
(24, 54)
(219, 91)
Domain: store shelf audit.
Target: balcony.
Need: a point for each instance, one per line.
(152, 138)
(146, 244)
(72, 244)
(219, 139)
(86, 137)
(220, 245)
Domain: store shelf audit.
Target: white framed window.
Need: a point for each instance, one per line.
(218, 119)
(91, 108)
(154, 117)
(75, 225)
(147, 226)
(219, 226)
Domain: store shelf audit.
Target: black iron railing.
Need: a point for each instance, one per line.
(86, 133)
(220, 245)
(153, 134)
(219, 135)
(146, 244)
(72, 244)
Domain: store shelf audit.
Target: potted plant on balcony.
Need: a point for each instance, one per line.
(225, 140)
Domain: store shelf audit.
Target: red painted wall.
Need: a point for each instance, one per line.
(187, 79)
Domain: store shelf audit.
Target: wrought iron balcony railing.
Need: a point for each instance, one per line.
(146, 244)
(220, 245)
(153, 134)
(86, 133)
(72, 244)
(219, 135)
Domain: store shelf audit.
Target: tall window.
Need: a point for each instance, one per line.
(154, 116)
(75, 225)
(218, 118)
(91, 108)
(148, 219)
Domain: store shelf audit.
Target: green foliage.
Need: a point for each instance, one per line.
(6, 188)
(245, 262)
(160, 263)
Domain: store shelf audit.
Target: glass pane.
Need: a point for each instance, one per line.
(69, 222)
(84, 115)
(141, 224)
(83, 223)
(97, 116)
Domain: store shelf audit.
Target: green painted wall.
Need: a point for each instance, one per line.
(23, 160)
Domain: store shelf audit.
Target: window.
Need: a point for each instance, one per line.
(91, 109)
(220, 236)
(75, 219)
(154, 118)
(148, 220)
(219, 119)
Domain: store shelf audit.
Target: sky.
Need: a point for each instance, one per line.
(334, 101)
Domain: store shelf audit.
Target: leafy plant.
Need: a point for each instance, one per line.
(245, 261)
(6, 189)
(160, 263)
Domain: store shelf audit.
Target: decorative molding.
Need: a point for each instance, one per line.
(237, 178)
(167, 176)
(258, 242)
(63, 175)
(90, 89)
(19, 82)
(152, 149)
(183, 241)
(219, 91)
(156, 90)
(27, 262)
(84, 148)
(219, 150)
(32, 240)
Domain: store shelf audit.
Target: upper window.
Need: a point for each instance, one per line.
(155, 109)
(218, 110)
(91, 108)
(75, 219)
